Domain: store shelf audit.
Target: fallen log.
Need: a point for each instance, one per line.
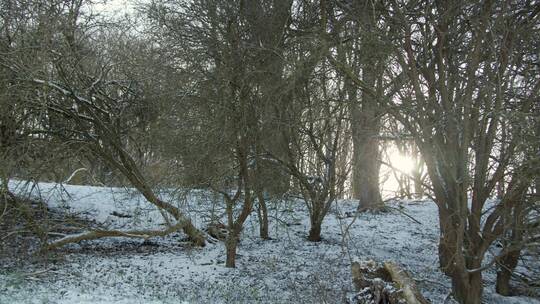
(217, 231)
(386, 284)
(98, 234)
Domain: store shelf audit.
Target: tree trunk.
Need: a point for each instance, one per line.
(235, 227)
(315, 230)
(447, 252)
(365, 127)
(366, 169)
(536, 179)
(231, 244)
(509, 261)
(4, 191)
(507, 265)
(262, 212)
(195, 235)
(365, 123)
(467, 287)
(450, 243)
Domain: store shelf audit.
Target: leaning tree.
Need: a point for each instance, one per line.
(85, 93)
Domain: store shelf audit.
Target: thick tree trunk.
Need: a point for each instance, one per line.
(467, 287)
(7, 199)
(366, 168)
(451, 239)
(536, 179)
(365, 123)
(365, 129)
(447, 251)
(195, 235)
(315, 230)
(4, 192)
(509, 261)
(507, 265)
(235, 227)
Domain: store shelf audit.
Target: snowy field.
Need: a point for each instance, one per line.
(286, 269)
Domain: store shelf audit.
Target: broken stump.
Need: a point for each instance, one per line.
(384, 284)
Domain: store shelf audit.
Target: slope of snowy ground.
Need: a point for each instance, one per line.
(286, 269)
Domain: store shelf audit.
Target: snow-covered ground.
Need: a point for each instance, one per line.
(286, 269)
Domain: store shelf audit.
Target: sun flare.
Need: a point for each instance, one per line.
(402, 162)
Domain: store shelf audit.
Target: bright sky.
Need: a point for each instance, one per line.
(114, 7)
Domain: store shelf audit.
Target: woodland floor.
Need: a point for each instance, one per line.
(286, 269)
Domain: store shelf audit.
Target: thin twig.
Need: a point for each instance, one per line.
(36, 273)
(404, 213)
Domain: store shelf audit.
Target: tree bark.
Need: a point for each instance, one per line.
(447, 244)
(262, 212)
(467, 287)
(507, 265)
(366, 164)
(231, 244)
(315, 230)
(365, 125)
(235, 227)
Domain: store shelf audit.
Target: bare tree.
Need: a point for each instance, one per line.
(366, 57)
(232, 103)
(461, 77)
(267, 26)
(84, 98)
(457, 68)
(24, 149)
(317, 121)
(314, 153)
